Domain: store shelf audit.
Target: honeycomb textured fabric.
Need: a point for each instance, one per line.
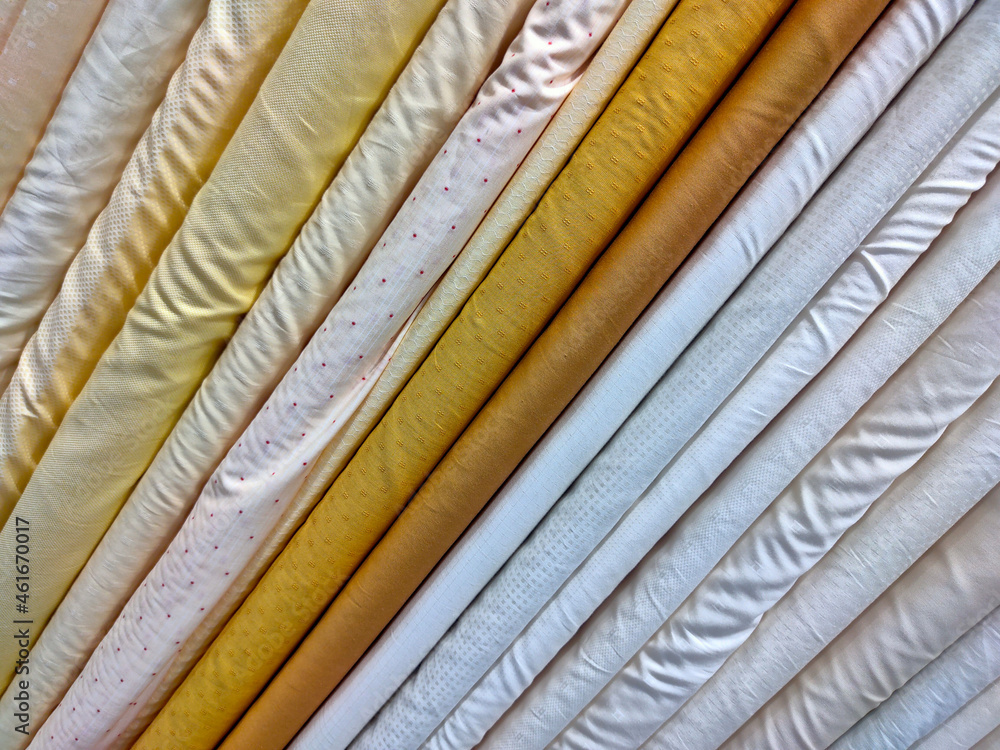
(934, 694)
(736, 339)
(850, 103)
(243, 219)
(722, 516)
(105, 107)
(223, 68)
(265, 467)
(573, 345)
(947, 591)
(605, 73)
(662, 581)
(419, 428)
(879, 444)
(42, 49)
(969, 725)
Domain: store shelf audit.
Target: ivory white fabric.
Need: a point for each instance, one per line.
(934, 694)
(105, 108)
(880, 170)
(666, 577)
(430, 97)
(969, 725)
(355, 702)
(880, 443)
(850, 103)
(223, 68)
(953, 586)
(258, 478)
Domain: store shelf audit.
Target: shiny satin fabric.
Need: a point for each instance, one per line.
(223, 67)
(934, 694)
(260, 475)
(943, 594)
(104, 109)
(306, 117)
(880, 443)
(610, 66)
(879, 170)
(906, 35)
(42, 49)
(741, 685)
(766, 100)
(659, 585)
(492, 331)
(969, 725)
(422, 108)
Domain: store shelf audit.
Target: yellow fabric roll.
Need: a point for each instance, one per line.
(44, 45)
(228, 58)
(612, 63)
(315, 103)
(695, 57)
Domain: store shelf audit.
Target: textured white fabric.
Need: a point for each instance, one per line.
(745, 682)
(870, 181)
(934, 694)
(255, 483)
(880, 443)
(371, 682)
(665, 578)
(947, 591)
(105, 107)
(848, 106)
(419, 113)
(969, 725)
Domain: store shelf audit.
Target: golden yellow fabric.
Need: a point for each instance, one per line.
(311, 109)
(46, 40)
(695, 57)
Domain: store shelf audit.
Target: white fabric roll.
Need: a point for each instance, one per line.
(881, 442)
(850, 103)
(104, 110)
(969, 725)
(947, 591)
(934, 694)
(420, 111)
(665, 578)
(870, 181)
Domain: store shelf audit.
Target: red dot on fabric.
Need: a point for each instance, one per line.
(227, 572)
(303, 463)
(361, 356)
(268, 442)
(485, 179)
(383, 280)
(324, 329)
(421, 273)
(414, 234)
(353, 323)
(479, 140)
(452, 226)
(251, 537)
(550, 43)
(519, 130)
(331, 395)
(202, 609)
(362, 378)
(390, 315)
(446, 189)
(446, 151)
(241, 512)
(324, 364)
(192, 583)
(295, 403)
(514, 91)
(303, 434)
(241, 479)
(589, 34)
(414, 197)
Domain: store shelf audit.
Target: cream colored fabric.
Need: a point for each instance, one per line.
(968, 725)
(104, 110)
(10, 10)
(610, 66)
(431, 95)
(851, 102)
(308, 114)
(42, 49)
(947, 591)
(225, 64)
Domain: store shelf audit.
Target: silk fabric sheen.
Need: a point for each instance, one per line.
(422, 108)
(244, 218)
(950, 588)
(970, 724)
(629, 165)
(224, 66)
(44, 45)
(763, 307)
(134, 51)
(763, 103)
(849, 104)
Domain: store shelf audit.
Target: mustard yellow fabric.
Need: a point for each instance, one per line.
(43, 45)
(311, 109)
(692, 61)
(224, 66)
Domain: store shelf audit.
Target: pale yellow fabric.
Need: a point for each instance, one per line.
(609, 68)
(43, 47)
(209, 94)
(331, 76)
